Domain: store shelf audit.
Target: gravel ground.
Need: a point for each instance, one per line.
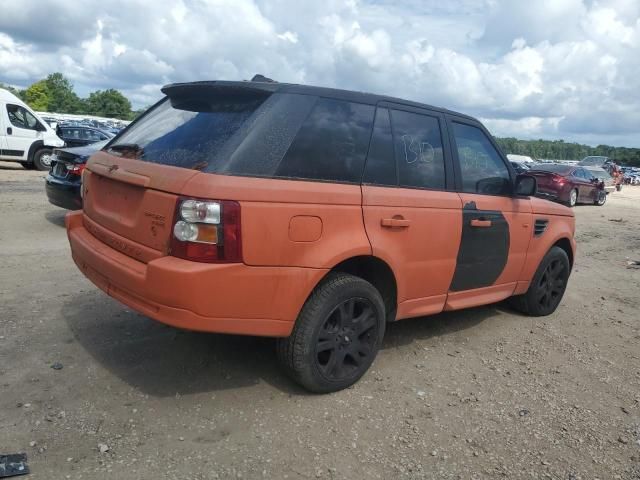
(481, 393)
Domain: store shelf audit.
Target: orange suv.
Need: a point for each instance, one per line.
(313, 215)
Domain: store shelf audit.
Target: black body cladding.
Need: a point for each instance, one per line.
(483, 252)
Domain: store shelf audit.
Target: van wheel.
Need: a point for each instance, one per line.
(547, 287)
(42, 159)
(337, 334)
(601, 199)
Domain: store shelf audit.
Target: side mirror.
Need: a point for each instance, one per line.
(526, 185)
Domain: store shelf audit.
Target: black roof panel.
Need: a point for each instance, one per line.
(268, 87)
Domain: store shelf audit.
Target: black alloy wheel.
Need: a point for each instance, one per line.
(347, 339)
(337, 334)
(547, 286)
(551, 285)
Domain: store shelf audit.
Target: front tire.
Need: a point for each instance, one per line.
(337, 334)
(601, 198)
(42, 159)
(547, 287)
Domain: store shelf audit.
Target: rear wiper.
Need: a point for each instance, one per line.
(127, 150)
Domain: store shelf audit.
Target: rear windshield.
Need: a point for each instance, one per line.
(189, 133)
(553, 168)
(265, 135)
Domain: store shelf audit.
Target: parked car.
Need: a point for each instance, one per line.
(607, 164)
(78, 136)
(520, 167)
(607, 181)
(63, 182)
(569, 184)
(24, 137)
(299, 212)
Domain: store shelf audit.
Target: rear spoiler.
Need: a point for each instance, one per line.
(261, 88)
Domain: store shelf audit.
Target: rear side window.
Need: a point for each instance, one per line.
(482, 168)
(331, 143)
(418, 150)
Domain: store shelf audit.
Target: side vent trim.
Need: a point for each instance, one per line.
(540, 226)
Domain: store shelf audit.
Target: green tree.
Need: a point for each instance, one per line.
(38, 96)
(108, 103)
(62, 97)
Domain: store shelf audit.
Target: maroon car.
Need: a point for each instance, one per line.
(569, 184)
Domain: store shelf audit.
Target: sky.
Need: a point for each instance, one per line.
(553, 69)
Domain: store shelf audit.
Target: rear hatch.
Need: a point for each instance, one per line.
(131, 187)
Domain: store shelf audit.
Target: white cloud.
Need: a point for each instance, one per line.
(550, 68)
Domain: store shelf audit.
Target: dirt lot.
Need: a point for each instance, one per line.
(483, 393)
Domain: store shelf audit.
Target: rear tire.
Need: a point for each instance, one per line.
(336, 336)
(573, 198)
(42, 159)
(547, 287)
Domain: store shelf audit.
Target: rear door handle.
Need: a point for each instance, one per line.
(9, 131)
(480, 223)
(396, 222)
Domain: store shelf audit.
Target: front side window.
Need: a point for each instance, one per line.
(482, 168)
(418, 150)
(331, 144)
(20, 117)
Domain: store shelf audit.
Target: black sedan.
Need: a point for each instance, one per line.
(77, 136)
(65, 178)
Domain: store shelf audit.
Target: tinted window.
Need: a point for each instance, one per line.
(580, 173)
(331, 144)
(381, 165)
(551, 167)
(187, 132)
(482, 168)
(20, 117)
(418, 150)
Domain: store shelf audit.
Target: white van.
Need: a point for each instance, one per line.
(25, 137)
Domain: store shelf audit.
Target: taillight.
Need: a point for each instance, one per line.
(559, 180)
(76, 169)
(207, 231)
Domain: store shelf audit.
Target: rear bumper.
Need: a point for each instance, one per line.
(222, 298)
(63, 194)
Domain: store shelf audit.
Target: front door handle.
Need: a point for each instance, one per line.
(395, 222)
(480, 223)
(9, 131)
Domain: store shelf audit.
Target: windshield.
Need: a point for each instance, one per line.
(595, 160)
(599, 173)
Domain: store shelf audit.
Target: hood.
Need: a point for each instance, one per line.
(547, 207)
(85, 150)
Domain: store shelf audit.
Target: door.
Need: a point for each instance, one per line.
(22, 128)
(496, 226)
(586, 187)
(3, 134)
(412, 221)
